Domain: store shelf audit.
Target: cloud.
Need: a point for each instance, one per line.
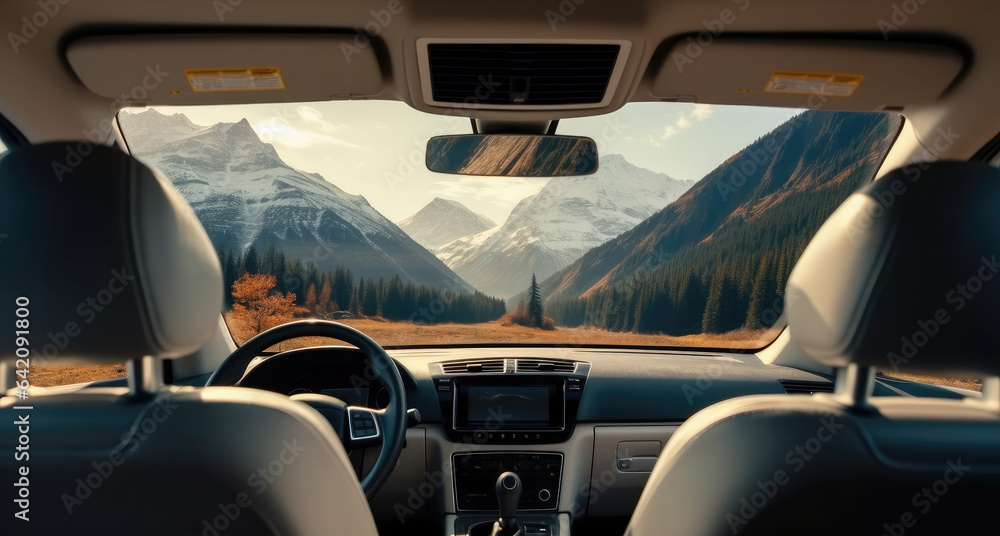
(702, 111)
(314, 119)
(301, 128)
(698, 112)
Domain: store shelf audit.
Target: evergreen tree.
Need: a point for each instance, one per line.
(281, 273)
(231, 272)
(535, 312)
(711, 319)
(763, 293)
(268, 263)
(393, 307)
(690, 306)
(251, 264)
(370, 301)
(342, 285)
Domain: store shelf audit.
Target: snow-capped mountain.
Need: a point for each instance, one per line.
(569, 216)
(444, 220)
(245, 194)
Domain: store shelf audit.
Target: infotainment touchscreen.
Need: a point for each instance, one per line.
(494, 406)
(527, 404)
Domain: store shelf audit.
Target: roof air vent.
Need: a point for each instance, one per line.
(521, 75)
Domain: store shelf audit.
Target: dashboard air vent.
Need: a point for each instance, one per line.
(521, 73)
(474, 365)
(545, 365)
(796, 387)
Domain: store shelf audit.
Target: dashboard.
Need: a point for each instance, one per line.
(583, 426)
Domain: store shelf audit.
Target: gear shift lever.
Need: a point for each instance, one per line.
(508, 494)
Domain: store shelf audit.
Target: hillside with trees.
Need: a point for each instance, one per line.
(339, 293)
(717, 259)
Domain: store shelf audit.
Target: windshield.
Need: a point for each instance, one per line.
(684, 237)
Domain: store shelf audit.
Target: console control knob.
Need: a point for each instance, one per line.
(544, 495)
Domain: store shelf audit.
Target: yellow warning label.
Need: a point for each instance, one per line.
(235, 79)
(827, 84)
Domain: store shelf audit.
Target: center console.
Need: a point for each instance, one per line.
(490, 403)
(476, 475)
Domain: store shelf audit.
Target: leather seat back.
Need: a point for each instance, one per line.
(900, 277)
(116, 267)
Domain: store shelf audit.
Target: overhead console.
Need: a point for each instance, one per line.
(513, 74)
(509, 401)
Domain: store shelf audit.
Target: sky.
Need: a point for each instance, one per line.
(376, 148)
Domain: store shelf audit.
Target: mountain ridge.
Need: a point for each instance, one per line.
(245, 194)
(568, 217)
(730, 241)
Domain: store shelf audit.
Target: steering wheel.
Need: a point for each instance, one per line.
(357, 426)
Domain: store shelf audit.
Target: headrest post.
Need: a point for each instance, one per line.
(145, 376)
(991, 392)
(855, 384)
(6, 373)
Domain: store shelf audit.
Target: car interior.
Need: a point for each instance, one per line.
(107, 256)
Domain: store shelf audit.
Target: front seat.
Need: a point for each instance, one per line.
(903, 276)
(105, 262)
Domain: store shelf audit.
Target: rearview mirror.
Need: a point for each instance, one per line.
(512, 155)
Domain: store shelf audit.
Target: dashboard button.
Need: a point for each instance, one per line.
(544, 495)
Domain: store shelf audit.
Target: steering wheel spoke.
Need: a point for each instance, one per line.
(364, 427)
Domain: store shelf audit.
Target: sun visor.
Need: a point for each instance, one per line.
(219, 69)
(804, 73)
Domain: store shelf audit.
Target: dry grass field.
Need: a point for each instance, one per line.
(963, 383)
(389, 333)
(49, 376)
(407, 333)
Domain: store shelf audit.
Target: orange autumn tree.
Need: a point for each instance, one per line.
(256, 308)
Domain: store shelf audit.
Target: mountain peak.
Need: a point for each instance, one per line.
(442, 221)
(152, 117)
(445, 204)
(151, 129)
(241, 127)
